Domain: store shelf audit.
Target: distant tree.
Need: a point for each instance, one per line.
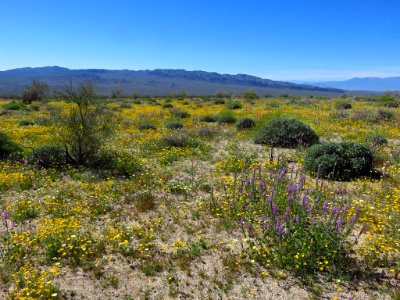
(37, 91)
(116, 93)
(250, 95)
(86, 126)
(227, 95)
(179, 96)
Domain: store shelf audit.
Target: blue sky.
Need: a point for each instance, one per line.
(297, 39)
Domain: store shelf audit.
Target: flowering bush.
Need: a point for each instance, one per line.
(287, 223)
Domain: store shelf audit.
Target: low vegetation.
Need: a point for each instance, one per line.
(197, 199)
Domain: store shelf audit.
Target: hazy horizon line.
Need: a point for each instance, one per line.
(298, 76)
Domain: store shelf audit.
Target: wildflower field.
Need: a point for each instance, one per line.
(195, 209)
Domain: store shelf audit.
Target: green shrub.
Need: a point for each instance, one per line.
(26, 123)
(384, 115)
(8, 148)
(85, 128)
(14, 106)
(226, 117)
(250, 95)
(117, 162)
(125, 105)
(377, 139)
(339, 161)
(177, 139)
(286, 133)
(209, 118)
(49, 156)
(234, 104)
(205, 132)
(343, 105)
(245, 123)
(147, 126)
(181, 114)
(174, 124)
(391, 105)
(167, 105)
(219, 101)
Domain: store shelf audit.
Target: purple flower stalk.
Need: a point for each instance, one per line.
(274, 209)
(325, 207)
(279, 228)
(339, 223)
(262, 218)
(5, 214)
(250, 227)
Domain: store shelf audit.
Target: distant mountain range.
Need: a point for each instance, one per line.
(364, 84)
(157, 82)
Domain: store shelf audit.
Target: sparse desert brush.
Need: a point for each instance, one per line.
(234, 104)
(209, 118)
(14, 106)
(147, 126)
(391, 104)
(49, 156)
(245, 123)
(8, 148)
(174, 124)
(181, 114)
(226, 117)
(343, 105)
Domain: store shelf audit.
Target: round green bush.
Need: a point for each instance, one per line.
(235, 104)
(147, 126)
(343, 105)
(14, 106)
(167, 105)
(181, 114)
(209, 118)
(219, 101)
(26, 123)
(178, 139)
(227, 118)
(286, 133)
(7, 147)
(49, 156)
(392, 104)
(245, 123)
(339, 161)
(174, 125)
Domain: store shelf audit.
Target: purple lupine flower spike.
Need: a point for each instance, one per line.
(262, 218)
(5, 214)
(274, 209)
(325, 206)
(339, 223)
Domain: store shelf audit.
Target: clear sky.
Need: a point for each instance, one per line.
(281, 39)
